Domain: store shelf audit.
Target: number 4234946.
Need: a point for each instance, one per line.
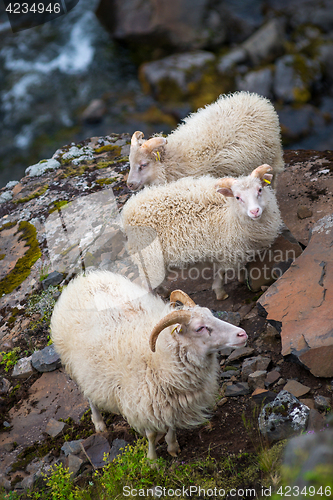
(290, 491)
(36, 8)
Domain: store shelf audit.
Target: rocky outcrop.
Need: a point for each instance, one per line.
(300, 303)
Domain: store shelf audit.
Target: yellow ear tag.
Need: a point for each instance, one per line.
(158, 157)
(175, 328)
(268, 182)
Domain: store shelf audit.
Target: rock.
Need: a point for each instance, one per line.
(299, 122)
(117, 448)
(260, 272)
(23, 368)
(322, 403)
(26, 484)
(178, 71)
(238, 389)
(95, 112)
(52, 279)
(251, 365)
(296, 389)
(228, 61)
(266, 43)
(308, 453)
(256, 380)
(300, 302)
(259, 81)
(6, 196)
(156, 24)
(316, 421)
(74, 464)
(72, 447)
(46, 360)
(272, 377)
(226, 351)
(4, 482)
(4, 386)
(229, 373)
(41, 167)
(228, 316)
(271, 332)
(242, 352)
(95, 448)
(291, 85)
(308, 402)
(260, 396)
(54, 427)
(283, 417)
(304, 212)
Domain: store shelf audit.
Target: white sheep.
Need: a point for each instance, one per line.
(225, 221)
(133, 354)
(229, 137)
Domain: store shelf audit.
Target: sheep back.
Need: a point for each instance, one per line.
(232, 136)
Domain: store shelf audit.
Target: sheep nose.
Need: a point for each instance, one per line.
(131, 186)
(242, 334)
(254, 211)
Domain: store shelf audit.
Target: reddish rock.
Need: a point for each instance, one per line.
(282, 253)
(272, 377)
(296, 389)
(301, 302)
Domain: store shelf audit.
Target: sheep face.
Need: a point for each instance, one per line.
(206, 334)
(249, 193)
(145, 161)
(199, 333)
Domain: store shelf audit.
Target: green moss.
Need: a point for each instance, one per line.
(72, 171)
(115, 150)
(40, 192)
(57, 205)
(2, 256)
(23, 266)
(12, 319)
(106, 180)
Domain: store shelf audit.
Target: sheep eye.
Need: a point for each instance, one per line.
(143, 165)
(260, 190)
(237, 197)
(200, 328)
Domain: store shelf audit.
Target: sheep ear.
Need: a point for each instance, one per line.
(259, 172)
(225, 191)
(153, 143)
(137, 138)
(267, 179)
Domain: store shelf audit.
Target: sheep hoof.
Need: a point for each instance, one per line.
(221, 295)
(100, 427)
(173, 450)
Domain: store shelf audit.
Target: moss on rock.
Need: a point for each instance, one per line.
(23, 266)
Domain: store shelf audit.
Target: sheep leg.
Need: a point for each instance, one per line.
(97, 418)
(159, 436)
(220, 293)
(171, 440)
(151, 435)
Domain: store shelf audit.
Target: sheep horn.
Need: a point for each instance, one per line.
(136, 138)
(170, 319)
(261, 171)
(225, 182)
(181, 297)
(153, 143)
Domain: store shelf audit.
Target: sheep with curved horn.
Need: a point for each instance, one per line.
(133, 354)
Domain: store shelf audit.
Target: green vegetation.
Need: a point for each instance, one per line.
(23, 266)
(114, 151)
(57, 205)
(32, 196)
(9, 359)
(106, 180)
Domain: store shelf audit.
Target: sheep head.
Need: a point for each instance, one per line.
(248, 192)
(145, 161)
(197, 330)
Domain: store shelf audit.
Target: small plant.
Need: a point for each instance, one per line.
(9, 359)
(60, 484)
(42, 304)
